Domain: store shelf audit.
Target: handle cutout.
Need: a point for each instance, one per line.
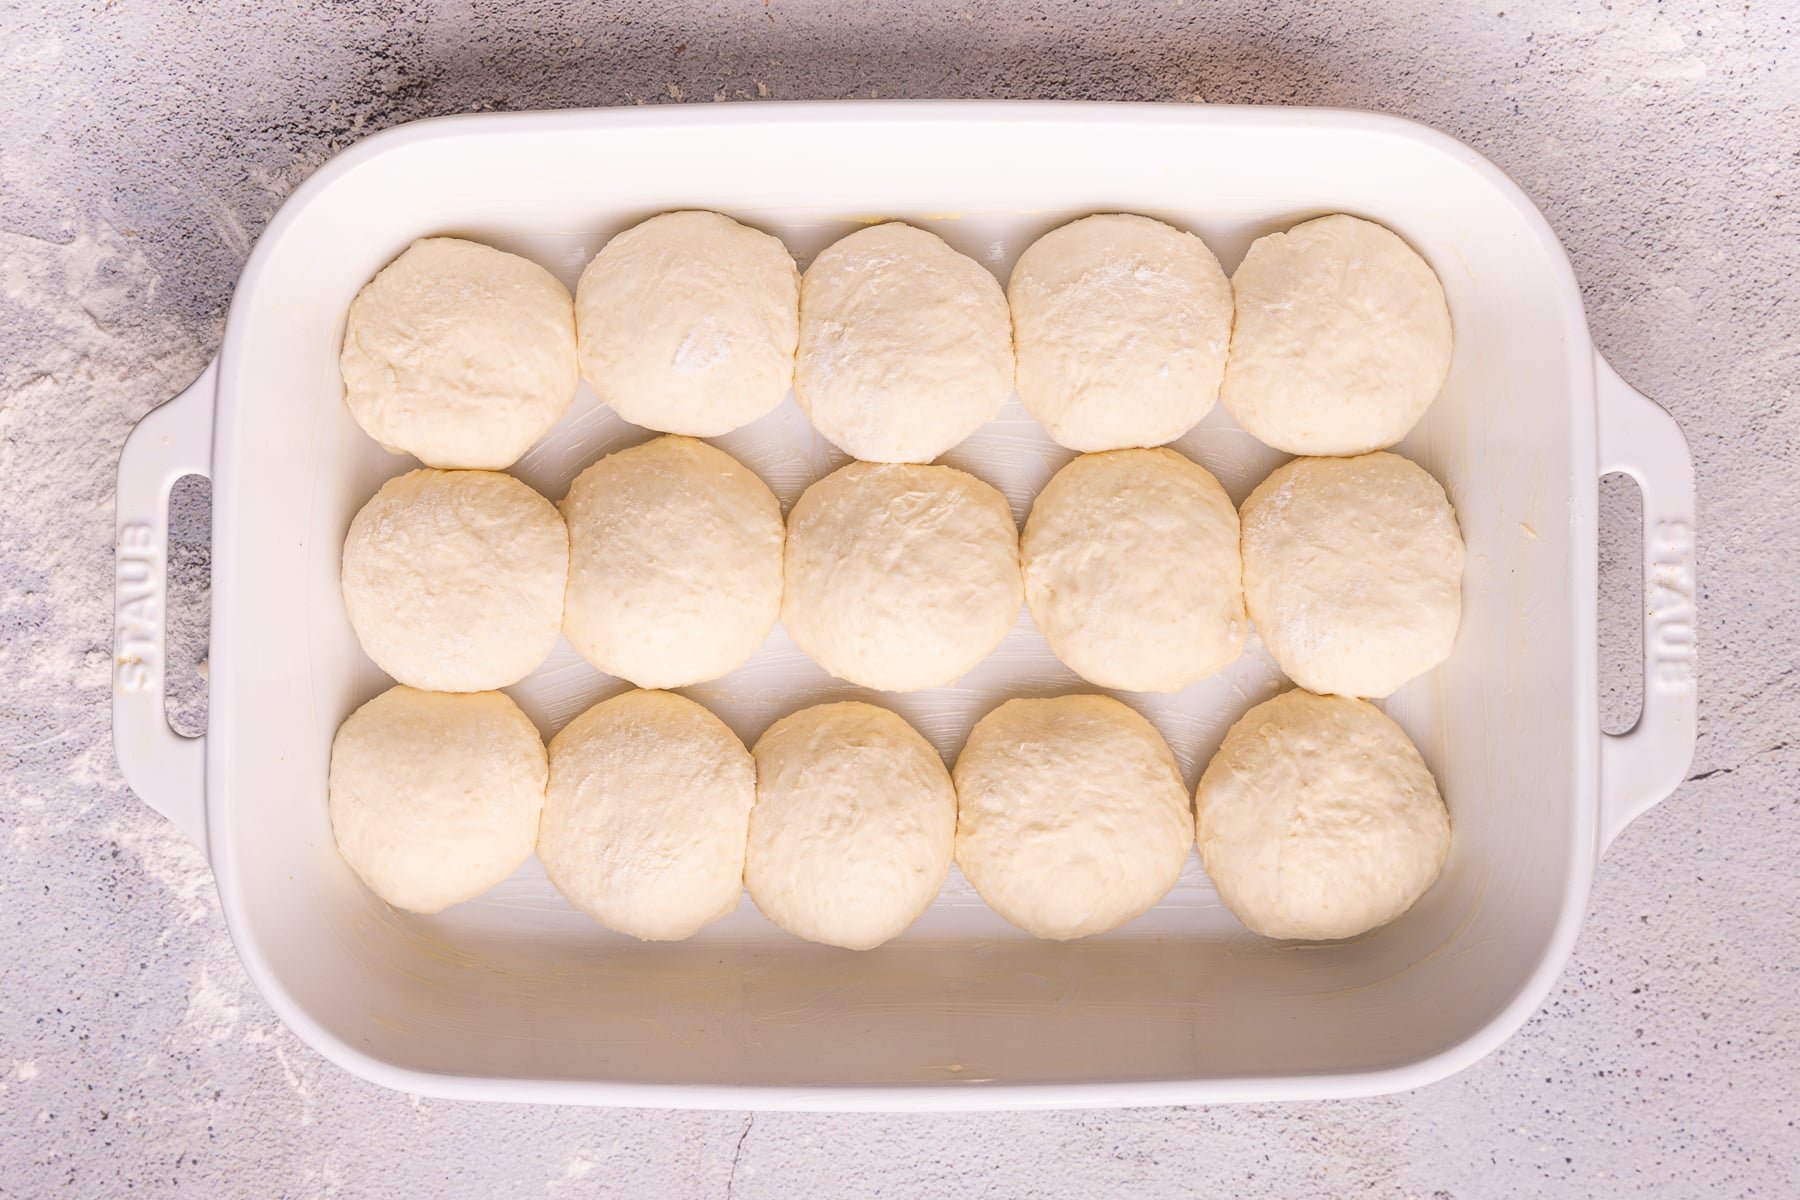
(1621, 603)
(189, 603)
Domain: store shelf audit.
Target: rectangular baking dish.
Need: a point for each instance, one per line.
(516, 996)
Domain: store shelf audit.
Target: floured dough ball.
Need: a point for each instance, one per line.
(674, 563)
(688, 323)
(1342, 339)
(854, 825)
(460, 354)
(1318, 819)
(435, 797)
(1121, 324)
(900, 577)
(454, 579)
(646, 815)
(1073, 816)
(1132, 570)
(1353, 572)
(905, 345)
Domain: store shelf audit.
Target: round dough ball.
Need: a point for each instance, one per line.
(1132, 570)
(434, 796)
(460, 354)
(1318, 819)
(905, 345)
(1122, 324)
(674, 563)
(454, 579)
(854, 825)
(688, 323)
(1073, 816)
(900, 577)
(1353, 572)
(1342, 339)
(646, 816)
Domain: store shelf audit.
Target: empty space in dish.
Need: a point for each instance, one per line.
(518, 985)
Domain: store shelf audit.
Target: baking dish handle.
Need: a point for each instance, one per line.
(1644, 764)
(165, 769)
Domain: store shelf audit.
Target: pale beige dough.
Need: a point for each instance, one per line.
(1318, 819)
(674, 563)
(460, 354)
(1072, 817)
(905, 345)
(688, 323)
(900, 577)
(648, 808)
(453, 580)
(1353, 572)
(1132, 570)
(1342, 338)
(435, 797)
(854, 825)
(1121, 325)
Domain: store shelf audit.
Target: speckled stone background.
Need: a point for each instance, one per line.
(142, 148)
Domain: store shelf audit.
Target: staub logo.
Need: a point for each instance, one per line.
(1669, 588)
(135, 665)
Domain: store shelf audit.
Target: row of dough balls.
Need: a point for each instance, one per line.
(1118, 331)
(1317, 819)
(669, 564)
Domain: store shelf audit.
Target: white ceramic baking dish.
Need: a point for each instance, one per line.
(516, 996)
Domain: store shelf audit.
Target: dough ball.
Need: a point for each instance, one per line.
(674, 563)
(688, 323)
(1318, 819)
(854, 825)
(1342, 339)
(1353, 572)
(645, 820)
(1073, 816)
(905, 345)
(1122, 324)
(454, 579)
(900, 577)
(435, 796)
(1132, 570)
(460, 354)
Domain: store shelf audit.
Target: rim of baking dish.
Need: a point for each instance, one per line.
(933, 1097)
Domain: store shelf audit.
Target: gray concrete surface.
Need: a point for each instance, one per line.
(142, 148)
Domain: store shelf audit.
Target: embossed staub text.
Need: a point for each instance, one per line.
(1669, 604)
(139, 597)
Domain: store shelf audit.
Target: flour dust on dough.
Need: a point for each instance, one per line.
(688, 323)
(905, 345)
(1121, 325)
